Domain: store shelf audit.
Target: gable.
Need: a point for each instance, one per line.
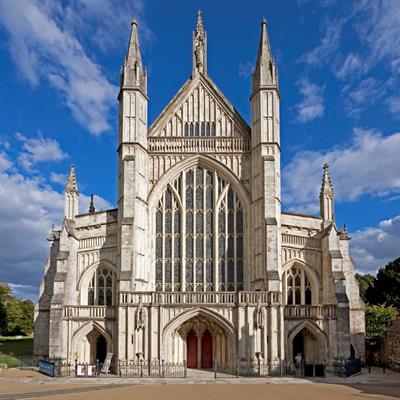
(199, 109)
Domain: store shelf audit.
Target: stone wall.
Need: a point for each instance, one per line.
(392, 346)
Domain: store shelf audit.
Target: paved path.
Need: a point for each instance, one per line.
(16, 384)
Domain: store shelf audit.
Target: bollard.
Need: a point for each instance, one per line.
(215, 369)
(76, 367)
(184, 369)
(369, 369)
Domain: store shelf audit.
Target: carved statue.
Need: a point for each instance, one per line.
(140, 315)
(199, 52)
(259, 316)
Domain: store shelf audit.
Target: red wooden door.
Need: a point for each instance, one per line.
(206, 350)
(191, 348)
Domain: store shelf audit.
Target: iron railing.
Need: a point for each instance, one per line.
(151, 369)
(257, 368)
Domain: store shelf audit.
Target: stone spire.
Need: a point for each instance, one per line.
(326, 196)
(265, 72)
(92, 209)
(133, 73)
(71, 195)
(72, 186)
(199, 47)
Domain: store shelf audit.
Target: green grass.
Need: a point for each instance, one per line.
(16, 352)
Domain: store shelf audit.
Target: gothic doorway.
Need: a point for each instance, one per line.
(298, 345)
(191, 347)
(206, 349)
(101, 348)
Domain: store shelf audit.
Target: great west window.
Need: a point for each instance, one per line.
(199, 234)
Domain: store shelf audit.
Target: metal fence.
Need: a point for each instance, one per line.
(347, 367)
(151, 369)
(17, 361)
(251, 369)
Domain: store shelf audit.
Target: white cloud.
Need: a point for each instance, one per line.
(373, 247)
(58, 178)
(5, 162)
(246, 69)
(38, 150)
(28, 208)
(44, 50)
(312, 104)
(368, 164)
(328, 45)
(352, 65)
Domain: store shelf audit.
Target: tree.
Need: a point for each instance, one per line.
(16, 315)
(378, 319)
(387, 284)
(5, 295)
(366, 284)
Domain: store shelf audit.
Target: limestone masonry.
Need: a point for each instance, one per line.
(198, 263)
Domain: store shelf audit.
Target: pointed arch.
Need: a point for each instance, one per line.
(206, 258)
(310, 273)
(174, 325)
(83, 331)
(87, 275)
(316, 331)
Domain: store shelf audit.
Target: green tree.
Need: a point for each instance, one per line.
(366, 284)
(387, 284)
(378, 319)
(16, 315)
(5, 296)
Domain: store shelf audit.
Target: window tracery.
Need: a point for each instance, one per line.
(298, 287)
(101, 287)
(199, 231)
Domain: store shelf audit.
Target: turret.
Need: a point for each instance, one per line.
(71, 196)
(326, 197)
(199, 47)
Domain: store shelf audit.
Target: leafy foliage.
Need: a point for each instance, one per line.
(387, 284)
(378, 319)
(385, 288)
(16, 315)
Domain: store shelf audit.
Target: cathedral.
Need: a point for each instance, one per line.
(198, 262)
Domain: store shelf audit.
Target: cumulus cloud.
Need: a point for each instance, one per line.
(312, 104)
(61, 179)
(28, 208)
(38, 150)
(44, 50)
(368, 164)
(373, 247)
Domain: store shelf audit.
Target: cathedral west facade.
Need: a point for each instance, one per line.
(198, 262)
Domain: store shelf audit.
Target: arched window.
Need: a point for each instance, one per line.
(198, 215)
(101, 288)
(298, 287)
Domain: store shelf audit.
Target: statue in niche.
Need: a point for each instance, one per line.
(199, 52)
(140, 315)
(259, 315)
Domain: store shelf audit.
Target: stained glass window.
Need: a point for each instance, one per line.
(205, 198)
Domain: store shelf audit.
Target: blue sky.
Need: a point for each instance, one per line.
(339, 65)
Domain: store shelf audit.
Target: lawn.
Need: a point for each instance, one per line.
(16, 351)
